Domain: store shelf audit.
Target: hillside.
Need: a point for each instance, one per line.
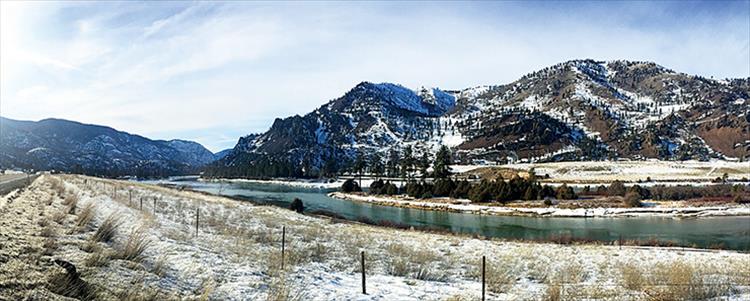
(56, 144)
(576, 110)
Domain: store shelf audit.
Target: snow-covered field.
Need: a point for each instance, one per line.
(552, 211)
(236, 254)
(632, 171)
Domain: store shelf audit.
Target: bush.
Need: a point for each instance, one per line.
(350, 186)
(443, 187)
(643, 193)
(632, 200)
(461, 191)
(617, 188)
(390, 188)
(297, 205)
(377, 187)
(564, 192)
(547, 202)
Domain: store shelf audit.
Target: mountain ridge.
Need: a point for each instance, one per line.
(574, 110)
(71, 146)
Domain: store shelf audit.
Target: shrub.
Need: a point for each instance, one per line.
(390, 188)
(350, 186)
(617, 188)
(564, 192)
(443, 187)
(297, 205)
(547, 202)
(377, 187)
(462, 190)
(631, 200)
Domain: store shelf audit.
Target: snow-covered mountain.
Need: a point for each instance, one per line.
(576, 110)
(56, 144)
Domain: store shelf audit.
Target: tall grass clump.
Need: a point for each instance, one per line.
(71, 201)
(136, 243)
(681, 281)
(107, 229)
(418, 263)
(85, 216)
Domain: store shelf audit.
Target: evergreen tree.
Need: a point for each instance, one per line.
(393, 163)
(376, 165)
(424, 164)
(407, 162)
(443, 160)
(359, 166)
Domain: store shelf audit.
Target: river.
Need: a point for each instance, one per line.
(731, 232)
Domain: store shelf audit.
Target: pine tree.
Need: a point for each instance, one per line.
(407, 162)
(393, 163)
(443, 160)
(424, 164)
(376, 165)
(359, 166)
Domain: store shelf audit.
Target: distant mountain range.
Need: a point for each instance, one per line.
(56, 144)
(576, 110)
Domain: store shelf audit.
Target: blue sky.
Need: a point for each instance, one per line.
(212, 72)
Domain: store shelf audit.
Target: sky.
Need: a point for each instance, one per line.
(212, 72)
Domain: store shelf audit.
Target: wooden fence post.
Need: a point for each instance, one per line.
(483, 275)
(130, 197)
(154, 205)
(620, 242)
(141, 204)
(197, 218)
(364, 282)
(283, 244)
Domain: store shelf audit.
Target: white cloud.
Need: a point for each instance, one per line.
(203, 69)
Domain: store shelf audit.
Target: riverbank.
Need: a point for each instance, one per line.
(465, 206)
(156, 252)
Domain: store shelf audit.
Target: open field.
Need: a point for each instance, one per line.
(138, 242)
(597, 172)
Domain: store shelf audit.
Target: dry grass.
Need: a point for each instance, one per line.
(71, 203)
(681, 281)
(85, 216)
(136, 243)
(418, 263)
(107, 230)
(632, 277)
(99, 257)
(60, 217)
(282, 289)
(160, 266)
(48, 231)
(63, 284)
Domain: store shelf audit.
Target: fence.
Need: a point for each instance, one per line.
(561, 288)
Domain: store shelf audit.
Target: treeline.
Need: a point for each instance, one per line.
(498, 190)
(529, 189)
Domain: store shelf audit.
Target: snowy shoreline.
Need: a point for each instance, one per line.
(464, 206)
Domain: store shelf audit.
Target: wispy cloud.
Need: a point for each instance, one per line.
(207, 70)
